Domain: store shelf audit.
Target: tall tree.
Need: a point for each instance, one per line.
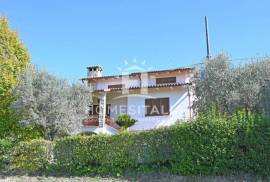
(14, 58)
(52, 103)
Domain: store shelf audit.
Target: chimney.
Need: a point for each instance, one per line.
(94, 71)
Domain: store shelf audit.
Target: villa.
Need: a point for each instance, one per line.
(154, 98)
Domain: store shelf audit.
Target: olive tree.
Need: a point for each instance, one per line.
(52, 103)
(250, 80)
(213, 88)
(264, 98)
(232, 87)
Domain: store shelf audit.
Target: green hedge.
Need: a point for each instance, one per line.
(5, 149)
(112, 154)
(214, 144)
(252, 144)
(31, 156)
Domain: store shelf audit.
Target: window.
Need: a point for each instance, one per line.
(115, 86)
(157, 107)
(94, 110)
(166, 80)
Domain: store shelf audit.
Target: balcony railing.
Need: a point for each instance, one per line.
(92, 121)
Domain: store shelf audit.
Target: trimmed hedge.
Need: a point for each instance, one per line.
(33, 156)
(252, 144)
(112, 154)
(212, 145)
(5, 149)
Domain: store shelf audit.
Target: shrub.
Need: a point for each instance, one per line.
(213, 144)
(125, 120)
(204, 146)
(103, 154)
(5, 149)
(252, 143)
(95, 154)
(31, 156)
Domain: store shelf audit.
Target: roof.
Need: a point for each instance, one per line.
(151, 86)
(136, 74)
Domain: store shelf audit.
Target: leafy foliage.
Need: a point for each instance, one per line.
(233, 87)
(14, 58)
(125, 120)
(214, 144)
(5, 149)
(252, 147)
(264, 98)
(31, 156)
(51, 103)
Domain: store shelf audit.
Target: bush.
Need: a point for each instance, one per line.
(5, 149)
(112, 154)
(31, 156)
(125, 120)
(205, 146)
(96, 154)
(252, 143)
(213, 144)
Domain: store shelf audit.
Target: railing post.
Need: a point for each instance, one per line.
(102, 110)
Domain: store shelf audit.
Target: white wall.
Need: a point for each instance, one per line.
(103, 84)
(179, 108)
(134, 102)
(147, 80)
(118, 104)
(180, 78)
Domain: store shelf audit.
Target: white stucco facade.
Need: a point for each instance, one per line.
(145, 81)
(178, 103)
(131, 99)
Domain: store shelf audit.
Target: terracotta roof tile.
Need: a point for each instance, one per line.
(151, 86)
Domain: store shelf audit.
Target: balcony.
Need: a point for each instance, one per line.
(92, 121)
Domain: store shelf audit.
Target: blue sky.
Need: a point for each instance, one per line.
(66, 36)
